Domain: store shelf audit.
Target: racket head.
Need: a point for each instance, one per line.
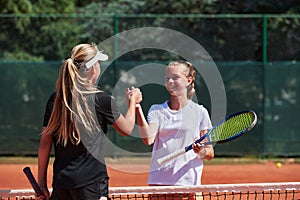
(233, 126)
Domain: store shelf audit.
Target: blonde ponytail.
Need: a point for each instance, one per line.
(72, 115)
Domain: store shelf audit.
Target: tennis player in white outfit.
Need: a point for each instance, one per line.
(173, 125)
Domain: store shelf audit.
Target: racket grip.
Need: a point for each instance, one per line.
(190, 147)
(32, 181)
(170, 156)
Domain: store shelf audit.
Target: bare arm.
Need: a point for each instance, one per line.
(43, 161)
(205, 152)
(147, 131)
(125, 124)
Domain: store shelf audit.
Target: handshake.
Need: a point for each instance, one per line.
(133, 94)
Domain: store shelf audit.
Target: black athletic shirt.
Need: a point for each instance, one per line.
(74, 165)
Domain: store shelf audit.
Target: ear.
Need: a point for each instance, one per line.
(189, 79)
(92, 70)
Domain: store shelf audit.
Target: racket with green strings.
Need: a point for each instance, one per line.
(230, 128)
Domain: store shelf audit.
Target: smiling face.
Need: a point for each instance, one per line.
(176, 80)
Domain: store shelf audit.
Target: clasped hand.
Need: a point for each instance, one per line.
(133, 94)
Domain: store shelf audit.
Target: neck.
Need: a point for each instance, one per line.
(176, 103)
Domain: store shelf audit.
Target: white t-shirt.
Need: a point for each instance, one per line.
(177, 129)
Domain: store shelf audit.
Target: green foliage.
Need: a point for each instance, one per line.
(33, 38)
(53, 7)
(99, 28)
(61, 40)
(20, 56)
(176, 7)
(35, 29)
(256, 6)
(16, 7)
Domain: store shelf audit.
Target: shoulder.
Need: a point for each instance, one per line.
(197, 107)
(161, 106)
(51, 99)
(102, 94)
(103, 97)
(105, 102)
(52, 96)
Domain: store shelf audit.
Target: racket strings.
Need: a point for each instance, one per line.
(232, 127)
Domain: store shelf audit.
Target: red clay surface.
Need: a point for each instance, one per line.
(126, 174)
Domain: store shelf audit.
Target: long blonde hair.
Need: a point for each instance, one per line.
(70, 105)
(189, 68)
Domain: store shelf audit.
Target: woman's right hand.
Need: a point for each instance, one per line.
(44, 196)
(138, 97)
(134, 94)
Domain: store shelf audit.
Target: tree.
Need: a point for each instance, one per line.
(34, 32)
(256, 7)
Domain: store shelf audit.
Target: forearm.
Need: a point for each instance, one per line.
(130, 118)
(43, 160)
(207, 152)
(210, 155)
(125, 124)
(42, 170)
(130, 115)
(143, 127)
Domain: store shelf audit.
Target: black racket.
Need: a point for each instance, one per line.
(32, 181)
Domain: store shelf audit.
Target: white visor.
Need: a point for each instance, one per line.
(99, 56)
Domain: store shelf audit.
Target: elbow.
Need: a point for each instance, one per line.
(210, 156)
(147, 142)
(124, 129)
(125, 132)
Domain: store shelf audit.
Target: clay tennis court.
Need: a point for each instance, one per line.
(134, 172)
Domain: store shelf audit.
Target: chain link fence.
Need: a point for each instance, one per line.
(256, 55)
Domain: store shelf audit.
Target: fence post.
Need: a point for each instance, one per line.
(115, 50)
(264, 42)
(264, 60)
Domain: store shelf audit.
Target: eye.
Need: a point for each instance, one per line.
(174, 78)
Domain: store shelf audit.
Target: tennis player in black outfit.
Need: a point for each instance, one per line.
(75, 122)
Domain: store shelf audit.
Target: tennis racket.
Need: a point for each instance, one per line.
(32, 181)
(230, 128)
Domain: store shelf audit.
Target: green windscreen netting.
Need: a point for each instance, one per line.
(271, 90)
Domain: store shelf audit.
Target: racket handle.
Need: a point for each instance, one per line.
(32, 181)
(180, 152)
(170, 156)
(190, 147)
